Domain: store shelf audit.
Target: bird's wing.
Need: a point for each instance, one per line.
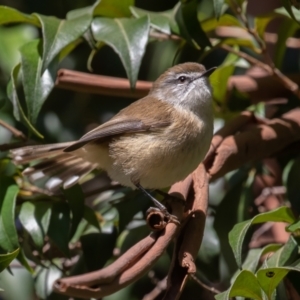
(140, 116)
(115, 127)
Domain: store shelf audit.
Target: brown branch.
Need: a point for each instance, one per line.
(100, 84)
(262, 141)
(18, 134)
(188, 243)
(287, 82)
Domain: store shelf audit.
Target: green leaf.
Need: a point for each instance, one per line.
(218, 4)
(10, 15)
(189, 25)
(37, 86)
(237, 234)
(293, 12)
(8, 233)
(261, 23)
(14, 98)
(161, 21)
(6, 259)
(245, 285)
(75, 199)
(58, 34)
(35, 218)
(128, 38)
(59, 227)
(269, 278)
(225, 20)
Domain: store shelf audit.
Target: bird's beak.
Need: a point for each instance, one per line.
(208, 72)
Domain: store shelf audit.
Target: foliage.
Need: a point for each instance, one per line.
(77, 230)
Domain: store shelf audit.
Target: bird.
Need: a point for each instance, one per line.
(151, 144)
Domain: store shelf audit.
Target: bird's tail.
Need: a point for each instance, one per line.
(62, 168)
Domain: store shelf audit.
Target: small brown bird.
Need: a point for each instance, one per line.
(153, 143)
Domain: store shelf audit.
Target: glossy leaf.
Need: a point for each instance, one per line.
(128, 38)
(269, 278)
(6, 259)
(59, 227)
(245, 285)
(162, 21)
(218, 4)
(75, 199)
(35, 218)
(37, 86)
(237, 234)
(189, 26)
(10, 15)
(58, 34)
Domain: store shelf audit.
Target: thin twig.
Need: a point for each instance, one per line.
(211, 289)
(18, 134)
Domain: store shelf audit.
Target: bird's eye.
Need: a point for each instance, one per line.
(182, 79)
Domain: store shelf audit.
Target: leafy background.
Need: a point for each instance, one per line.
(51, 237)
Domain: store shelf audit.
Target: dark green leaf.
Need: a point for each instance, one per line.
(10, 15)
(90, 217)
(245, 285)
(237, 234)
(75, 199)
(128, 38)
(37, 86)
(35, 218)
(6, 259)
(14, 98)
(58, 34)
(162, 21)
(218, 4)
(189, 25)
(287, 28)
(97, 249)
(136, 202)
(59, 227)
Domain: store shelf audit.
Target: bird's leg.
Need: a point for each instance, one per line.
(160, 206)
